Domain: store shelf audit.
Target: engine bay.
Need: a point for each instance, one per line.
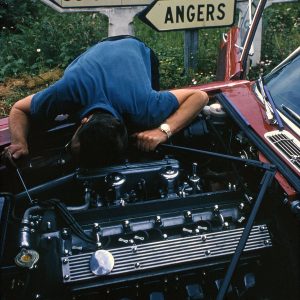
(163, 225)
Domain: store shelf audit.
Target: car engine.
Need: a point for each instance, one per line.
(163, 225)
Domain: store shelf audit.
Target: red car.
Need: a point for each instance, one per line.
(214, 214)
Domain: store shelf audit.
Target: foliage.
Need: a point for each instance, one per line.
(13, 12)
(52, 39)
(35, 39)
(281, 35)
(169, 47)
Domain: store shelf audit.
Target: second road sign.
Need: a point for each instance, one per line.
(165, 15)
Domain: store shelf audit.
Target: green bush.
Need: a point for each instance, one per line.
(169, 47)
(280, 23)
(13, 12)
(51, 40)
(36, 38)
(281, 35)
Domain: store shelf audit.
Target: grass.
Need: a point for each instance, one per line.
(35, 50)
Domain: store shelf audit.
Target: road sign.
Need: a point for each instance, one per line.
(165, 15)
(99, 3)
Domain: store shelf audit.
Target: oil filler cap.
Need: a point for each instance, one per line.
(101, 262)
(27, 258)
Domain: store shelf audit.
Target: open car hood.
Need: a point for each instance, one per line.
(237, 43)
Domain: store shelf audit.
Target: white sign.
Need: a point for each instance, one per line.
(99, 3)
(166, 15)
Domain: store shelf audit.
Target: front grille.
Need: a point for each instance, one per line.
(287, 145)
(167, 253)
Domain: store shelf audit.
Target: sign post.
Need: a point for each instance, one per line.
(191, 45)
(119, 12)
(81, 4)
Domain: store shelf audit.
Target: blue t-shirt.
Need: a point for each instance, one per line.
(114, 76)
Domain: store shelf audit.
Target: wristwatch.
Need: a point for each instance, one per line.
(166, 129)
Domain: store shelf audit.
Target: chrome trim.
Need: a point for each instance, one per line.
(287, 145)
(167, 252)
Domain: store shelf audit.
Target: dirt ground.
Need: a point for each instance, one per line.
(14, 89)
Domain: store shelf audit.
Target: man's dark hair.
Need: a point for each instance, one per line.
(103, 140)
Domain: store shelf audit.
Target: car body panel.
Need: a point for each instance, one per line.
(247, 104)
(229, 66)
(289, 190)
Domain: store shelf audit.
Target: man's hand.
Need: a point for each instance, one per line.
(17, 150)
(149, 139)
(190, 104)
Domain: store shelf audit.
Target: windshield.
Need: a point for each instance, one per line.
(284, 85)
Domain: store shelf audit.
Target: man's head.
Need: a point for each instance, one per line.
(100, 140)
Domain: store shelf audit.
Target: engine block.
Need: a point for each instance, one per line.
(139, 221)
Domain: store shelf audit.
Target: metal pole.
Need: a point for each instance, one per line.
(179, 149)
(191, 45)
(267, 179)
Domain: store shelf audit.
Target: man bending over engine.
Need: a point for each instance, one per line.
(107, 87)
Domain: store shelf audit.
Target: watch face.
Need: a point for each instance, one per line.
(165, 127)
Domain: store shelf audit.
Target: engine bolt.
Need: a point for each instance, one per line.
(49, 225)
(267, 242)
(203, 238)
(165, 236)
(126, 224)
(67, 277)
(123, 240)
(197, 231)
(134, 249)
(187, 230)
(262, 228)
(241, 220)
(226, 225)
(136, 237)
(158, 220)
(96, 226)
(207, 252)
(65, 261)
(216, 208)
(188, 214)
(241, 206)
(202, 228)
(64, 234)
(137, 265)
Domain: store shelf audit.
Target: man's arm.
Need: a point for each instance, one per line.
(19, 126)
(190, 102)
